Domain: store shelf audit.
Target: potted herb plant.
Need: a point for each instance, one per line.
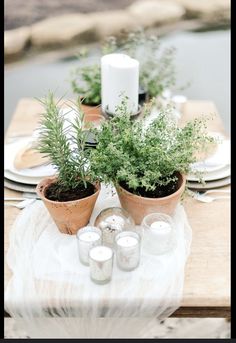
(71, 194)
(86, 84)
(157, 70)
(147, 164)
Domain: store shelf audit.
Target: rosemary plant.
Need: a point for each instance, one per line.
(64, 145)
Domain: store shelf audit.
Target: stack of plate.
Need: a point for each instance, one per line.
(215, 170)
(24, 180)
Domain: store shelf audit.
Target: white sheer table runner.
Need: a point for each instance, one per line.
(52, 295)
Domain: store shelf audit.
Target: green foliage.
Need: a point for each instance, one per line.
(157, 70)
(89, 85)
(146, 157)
(67, 152)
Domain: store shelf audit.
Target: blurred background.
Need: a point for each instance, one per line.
(42, 38)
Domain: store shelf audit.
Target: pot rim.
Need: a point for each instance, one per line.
(179, 190)
(89, 105)
(52, 179)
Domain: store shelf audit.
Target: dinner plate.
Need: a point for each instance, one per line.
(21, 187)
(218, 159)
(36, 173)
(22, 179)
(209, 185)
(214, 175)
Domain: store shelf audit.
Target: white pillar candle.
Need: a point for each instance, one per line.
(127, 250)
(87, 238)
(101, 263)
(119, 75)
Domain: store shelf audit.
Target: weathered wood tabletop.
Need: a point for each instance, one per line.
(207, 274)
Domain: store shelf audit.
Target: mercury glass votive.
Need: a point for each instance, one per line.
(112, 221)
(158, 233)
(101, 264)
(127, 250)
(87, 238)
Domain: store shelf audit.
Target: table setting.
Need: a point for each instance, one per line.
(117, 253)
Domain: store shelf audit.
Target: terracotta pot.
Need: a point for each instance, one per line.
(69, 216)
(138, 207)
(87, 109)
(94, 118)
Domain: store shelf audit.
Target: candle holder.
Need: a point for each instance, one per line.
(158, 233)
(87, 238)
(101, 264)
(142, 96)
(111, 221)
(127, 250)
(134, 115)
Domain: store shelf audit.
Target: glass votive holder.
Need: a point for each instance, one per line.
(87, 238)
(101, 264)
(127, 250)
(112, 221)
(158, 233)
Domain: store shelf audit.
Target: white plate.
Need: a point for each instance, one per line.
(22, 179)
(209, 185)
(214, 175)
(20, 187)
(218, 160)
(36, 172)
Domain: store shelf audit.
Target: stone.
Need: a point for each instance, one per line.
(150, 13)
(210, 9)
(112, 23)
(15, 42)
(63, 30)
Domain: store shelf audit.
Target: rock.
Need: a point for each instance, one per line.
(149, 13)
(210, 9)
(112, 23)
(15, 42)
(63, 30)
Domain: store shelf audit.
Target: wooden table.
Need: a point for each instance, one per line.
(207, 276)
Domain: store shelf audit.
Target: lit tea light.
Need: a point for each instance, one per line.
(158, 233)
(127, 250)
(87, 237)
(160, 227)
(101, 264)
(112, 221)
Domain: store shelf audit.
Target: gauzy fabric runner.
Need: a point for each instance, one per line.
(51, 295)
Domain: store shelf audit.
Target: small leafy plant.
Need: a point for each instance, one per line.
(65, 145)
(145, 160)
(157, 70)
(89, 87)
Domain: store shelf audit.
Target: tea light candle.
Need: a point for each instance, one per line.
(119, 74)
(101, 263)
(127, 250)
(87, 237)
(158, 233)
(160, 227)
(112, 221)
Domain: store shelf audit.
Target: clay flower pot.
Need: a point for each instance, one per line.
(69, 216)
(90, 109)
(138, 207)
(93, 119)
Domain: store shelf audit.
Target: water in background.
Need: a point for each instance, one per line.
(203, 58)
